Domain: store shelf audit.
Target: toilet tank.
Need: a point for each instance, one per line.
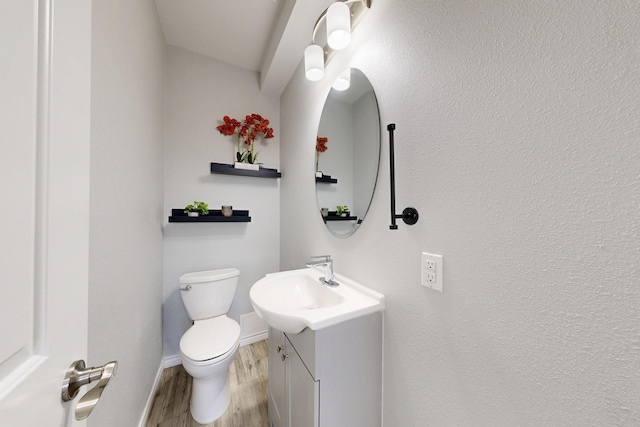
(208, 293)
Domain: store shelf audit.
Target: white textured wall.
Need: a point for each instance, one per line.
(518, 127)
(199, 92)
(125, 270)
(367, 155)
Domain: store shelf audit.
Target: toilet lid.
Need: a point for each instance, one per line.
(208, 276)
(210, 338)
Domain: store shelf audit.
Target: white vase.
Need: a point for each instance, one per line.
(227, 211)
(193, 214)
(246, 166)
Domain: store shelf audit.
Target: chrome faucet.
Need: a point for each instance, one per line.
(324, 261)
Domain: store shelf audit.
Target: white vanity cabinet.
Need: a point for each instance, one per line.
(331, 377)
(277, 386)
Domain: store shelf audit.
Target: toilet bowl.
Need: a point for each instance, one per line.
(208, 347)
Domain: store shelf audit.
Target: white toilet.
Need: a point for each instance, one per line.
(208, 347)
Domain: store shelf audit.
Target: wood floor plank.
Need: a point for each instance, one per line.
(183, 420)
(166, 412)
(182, 393)
(248, 408)
(156, 409)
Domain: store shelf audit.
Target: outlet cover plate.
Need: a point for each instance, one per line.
(432, 271)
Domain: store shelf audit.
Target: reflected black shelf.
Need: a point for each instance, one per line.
(178, 215)
(335, 217)
(225, 169)
(326, 179)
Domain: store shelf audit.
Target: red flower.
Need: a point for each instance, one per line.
(248, 130)
(229, 126)
(321, 142)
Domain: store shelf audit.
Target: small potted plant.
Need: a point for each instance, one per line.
(342, 210)
(196, 209)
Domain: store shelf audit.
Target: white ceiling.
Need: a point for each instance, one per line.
(266, 36)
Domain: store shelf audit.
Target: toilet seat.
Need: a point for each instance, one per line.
(210, 339)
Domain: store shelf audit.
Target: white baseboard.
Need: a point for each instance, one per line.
(149, 403)
(252, 325)
(171, 361)
(250, 339)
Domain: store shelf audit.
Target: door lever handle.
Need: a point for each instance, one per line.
(77, 376)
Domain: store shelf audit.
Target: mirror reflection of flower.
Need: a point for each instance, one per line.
(248, 131)
(321, 147)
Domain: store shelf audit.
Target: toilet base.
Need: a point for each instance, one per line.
(210, 388)
(210, 398)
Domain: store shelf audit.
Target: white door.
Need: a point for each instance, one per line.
(45, 51)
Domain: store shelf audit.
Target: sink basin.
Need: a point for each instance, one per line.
(291, 301)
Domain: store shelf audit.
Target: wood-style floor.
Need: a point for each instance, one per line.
(248, 406)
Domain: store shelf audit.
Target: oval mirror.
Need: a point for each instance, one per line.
(347, 153)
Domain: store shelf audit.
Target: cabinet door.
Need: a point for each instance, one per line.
(304, 393)
(277, 380)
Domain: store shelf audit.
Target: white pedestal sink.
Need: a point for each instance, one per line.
(291, 301)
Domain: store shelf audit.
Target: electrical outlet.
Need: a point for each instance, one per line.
(430, 265)
(432, 271)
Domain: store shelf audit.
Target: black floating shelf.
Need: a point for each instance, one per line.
(225, 169)
(178, 215)
(326, 179)
(334, 217)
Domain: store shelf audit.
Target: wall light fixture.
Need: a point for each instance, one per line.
(339, 20)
